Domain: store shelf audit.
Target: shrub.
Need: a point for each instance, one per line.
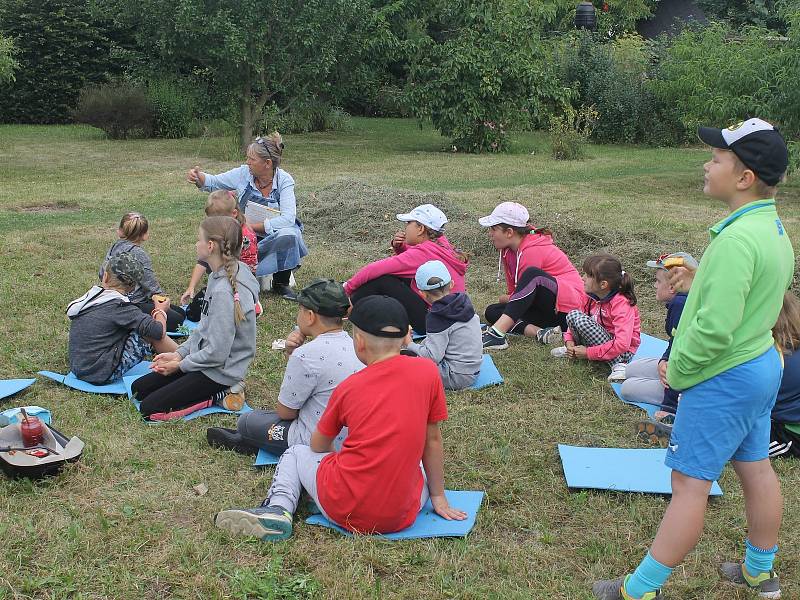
(570, 131)
(720, 76)
(60, 49)
(613, 76)
(305, 117)
(8, 64)
(121, 110)
(173, 108)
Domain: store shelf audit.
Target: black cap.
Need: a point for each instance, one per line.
(758, 144)
(325, 297)
(375, 313)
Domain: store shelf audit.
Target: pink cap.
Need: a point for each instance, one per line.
(509, 213)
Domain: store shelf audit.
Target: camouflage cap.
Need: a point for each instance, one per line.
(126, 268)
(326, 297)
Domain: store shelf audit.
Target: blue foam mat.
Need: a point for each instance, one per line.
(127, 381)
(489, 374)
(9, 387)
(650, 347)
(619, 469)
(264, 459)
(428, 523)
(14, 414)
(116, 387)
(190, 327)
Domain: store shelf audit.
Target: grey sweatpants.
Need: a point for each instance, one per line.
(642, 383)
(296, 471)
(455, 381)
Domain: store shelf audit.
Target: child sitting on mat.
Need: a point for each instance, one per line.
(542, 284)
(608, 327)
(218, 353)
(453, 339)
(223, 203)
(108, 334)
(312, 373)
(646, 378)
(421, 240)
(375, 483)
(133, 231)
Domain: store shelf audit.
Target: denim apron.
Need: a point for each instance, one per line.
(283, 248)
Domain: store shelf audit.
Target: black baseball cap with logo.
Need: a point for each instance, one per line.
(758, 144)
(382, 316)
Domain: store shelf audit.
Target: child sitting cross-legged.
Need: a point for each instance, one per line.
(108, 333)
(454, 338)
(392, 409)
(646, 378)
(608, 328)
(312, 373)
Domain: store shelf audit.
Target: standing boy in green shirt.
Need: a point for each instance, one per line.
(724, 361)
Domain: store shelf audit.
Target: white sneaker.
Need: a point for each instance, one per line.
(617, 373)
(560, 352)
(265, 282)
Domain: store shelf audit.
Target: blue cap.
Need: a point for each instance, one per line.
(430, 270)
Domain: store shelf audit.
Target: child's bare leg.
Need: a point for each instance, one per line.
(504, 323)
(531, 330)
(763, 501)
(682, 524)
(165, 344)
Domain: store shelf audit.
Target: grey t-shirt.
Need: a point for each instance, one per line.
(312, 373)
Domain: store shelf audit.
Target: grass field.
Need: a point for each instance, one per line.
(124, 522)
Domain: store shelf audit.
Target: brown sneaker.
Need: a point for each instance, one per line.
(234, 399)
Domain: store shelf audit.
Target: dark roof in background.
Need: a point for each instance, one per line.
(670, 17)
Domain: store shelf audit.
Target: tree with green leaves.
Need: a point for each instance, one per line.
(257, 52)
(60, 49)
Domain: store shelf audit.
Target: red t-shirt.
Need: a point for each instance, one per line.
(373, 484)
(249, 255)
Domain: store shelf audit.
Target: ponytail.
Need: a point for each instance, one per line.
(434, 236)
(133, 227)
(787, 328)
(606, 267)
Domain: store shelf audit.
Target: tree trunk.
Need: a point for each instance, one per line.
(247, 123)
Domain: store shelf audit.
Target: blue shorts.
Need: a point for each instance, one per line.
(725, 418)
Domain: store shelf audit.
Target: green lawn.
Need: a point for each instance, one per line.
(124, 522)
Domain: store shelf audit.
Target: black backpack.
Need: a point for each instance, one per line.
(195, 308)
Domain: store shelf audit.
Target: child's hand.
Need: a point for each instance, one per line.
(577, 352)
(662, 372)
(569, 344)
(442, 508)
(680, 278)
(160, 302)
(196, 177)
(187, 296)
(294, 340)
(398, 240)
(166, 363)
(504, 298)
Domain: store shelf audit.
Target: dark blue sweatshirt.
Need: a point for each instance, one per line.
(674, 310)
(787, 406)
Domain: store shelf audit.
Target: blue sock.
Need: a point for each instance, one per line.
(649, 576)
(757, 560)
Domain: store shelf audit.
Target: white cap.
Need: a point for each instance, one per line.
(427, 215)
(509, 213)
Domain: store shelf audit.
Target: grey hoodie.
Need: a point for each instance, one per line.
(149, 284)
(453, 341)
(101, 321)
(219, 347)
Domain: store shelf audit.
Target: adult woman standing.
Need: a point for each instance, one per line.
(272, 214)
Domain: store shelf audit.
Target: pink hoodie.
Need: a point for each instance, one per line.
(406, 262)
(538, 250)
(620, 319)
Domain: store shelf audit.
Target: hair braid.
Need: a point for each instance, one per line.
(227, 234)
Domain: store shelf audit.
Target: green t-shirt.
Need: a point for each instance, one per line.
(735, 298)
